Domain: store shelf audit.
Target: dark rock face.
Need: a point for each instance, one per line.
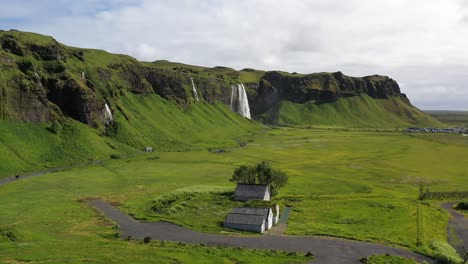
(52, 52)
(267, 96)
(10, 44)
(319, 87)
(76, 101)
(32, 102)
(168, 85)
(213, 89)
(133, 75)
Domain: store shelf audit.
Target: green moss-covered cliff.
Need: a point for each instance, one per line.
(42, 80)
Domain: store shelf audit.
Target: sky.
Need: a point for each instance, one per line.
(422, 44)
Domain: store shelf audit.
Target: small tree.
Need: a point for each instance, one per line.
(278, 180)
(244, 174)
(262, 173)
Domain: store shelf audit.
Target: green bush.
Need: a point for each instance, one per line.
(56, 127)
(462, 206)
(444, 253)
(8, 234)
(115, 156)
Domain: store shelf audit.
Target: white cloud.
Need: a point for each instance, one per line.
(420, 43)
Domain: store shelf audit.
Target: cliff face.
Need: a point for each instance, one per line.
(320, 88)
(43, 80)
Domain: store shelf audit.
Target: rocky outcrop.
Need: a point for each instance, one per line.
(76, 100)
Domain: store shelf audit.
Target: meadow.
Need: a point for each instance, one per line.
(452, 118)
(356, 184)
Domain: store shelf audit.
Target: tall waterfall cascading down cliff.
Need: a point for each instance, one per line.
(239, 102)
(195, 93)
(108, 114)
(244, 108)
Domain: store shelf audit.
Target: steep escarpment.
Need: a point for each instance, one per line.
(42, 80)
(321, 88)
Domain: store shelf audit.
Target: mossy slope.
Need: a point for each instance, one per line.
(352, 112)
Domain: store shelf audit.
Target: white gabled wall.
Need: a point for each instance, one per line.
(252, 228)
(267, 194)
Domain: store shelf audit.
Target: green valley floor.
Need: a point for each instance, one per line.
(355, 184)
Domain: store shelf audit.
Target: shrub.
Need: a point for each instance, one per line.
(8, 234)
(462, 206)
(444, 253)
(56, 127)
(147, 240)
(115, 156)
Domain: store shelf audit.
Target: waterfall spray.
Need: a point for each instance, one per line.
(195, 93)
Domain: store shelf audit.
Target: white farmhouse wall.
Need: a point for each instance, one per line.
(269, 221)
(252, 228)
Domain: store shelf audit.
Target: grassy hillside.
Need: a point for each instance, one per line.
(142, 121)
(30, 147)
(153, 121)
(357, 112)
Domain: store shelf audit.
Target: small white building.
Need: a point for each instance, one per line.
(246, 192)
(149, 149)
(250, 219)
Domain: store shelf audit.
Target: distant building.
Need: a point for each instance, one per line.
(246, 192)
(250, 219)
(149, 149)
(454, 130)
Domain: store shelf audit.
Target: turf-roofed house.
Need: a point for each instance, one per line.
(246, 192)
(250, 219)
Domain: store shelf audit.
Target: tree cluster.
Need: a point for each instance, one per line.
(261, 173)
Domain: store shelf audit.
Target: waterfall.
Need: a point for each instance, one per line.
(195, 93)
(244, 108)
(239, 102)
(108, 114)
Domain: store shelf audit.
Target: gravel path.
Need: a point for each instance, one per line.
(326, 250)
(459, 224)
(35, 174)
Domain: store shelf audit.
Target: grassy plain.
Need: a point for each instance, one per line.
(356, 184)
(452, 118)
(384, 259)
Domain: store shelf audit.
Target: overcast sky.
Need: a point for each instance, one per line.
(422, 44)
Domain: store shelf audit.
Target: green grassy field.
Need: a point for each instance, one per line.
(383, 259)
(356, 184)
(452, 118)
